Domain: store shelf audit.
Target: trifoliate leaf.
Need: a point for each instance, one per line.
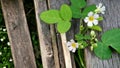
(102, 51)
(78, 3)
(76, 12)
(63, 26)
(98, 28)
(50, 16)
(66, 12)
(88, 9)
(110, 38)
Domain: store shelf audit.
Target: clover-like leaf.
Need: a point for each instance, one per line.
(102, 51)
(110, 38)
(63, 26)
(76, 13)
(98, 28)
(78, 3)
(50, 16)
(65, 12)
(88, 9)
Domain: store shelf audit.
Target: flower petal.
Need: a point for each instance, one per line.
(72, 41)
(77, 45)
(95, 22)
(74, 50)
(90, 14)
(96, 16)
(103, 8)
(68, 44)
(86, 20)
(100, 5)
(70, 48)
(90, 24)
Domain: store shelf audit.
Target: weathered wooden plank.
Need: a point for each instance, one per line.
(18, 33)
(44, 36)
(112, 20)
(55, 4)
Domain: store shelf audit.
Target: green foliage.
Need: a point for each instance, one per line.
(5, 51)
(75, 12)
(63, 26)
(50, 16)
(98, 28)
(78, 3)
(111, 39)
(100, 19)
(87, 10)
(65, 12)
(76, 6)
(62, 18)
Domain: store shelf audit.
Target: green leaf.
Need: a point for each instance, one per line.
(100, 19)
(76, 13)
(110, 38)
(50, 16)
(78, 3)
(66, 12)
(98, 28)
(102, 51)
(80, 37)
(88, 9)
(63, 26)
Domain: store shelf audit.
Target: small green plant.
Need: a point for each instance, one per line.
(6, 60)
(89, 15)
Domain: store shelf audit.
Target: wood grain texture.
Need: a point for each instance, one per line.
(111, 20)
(44, 36)
(18, 33)
(55, 4)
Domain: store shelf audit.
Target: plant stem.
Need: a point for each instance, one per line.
(81, 60)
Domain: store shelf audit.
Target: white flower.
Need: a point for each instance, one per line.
(91, 19)
(11, 60)
(100, 8)
(8, 43)
(72, 45)
(4, 67)
(2, 39)
(4, 30)
(0, 53)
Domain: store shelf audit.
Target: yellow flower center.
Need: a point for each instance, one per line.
(91, 18)
(73, 45)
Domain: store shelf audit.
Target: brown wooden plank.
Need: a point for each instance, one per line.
(18, 33)
(112, 20)
(44, 36)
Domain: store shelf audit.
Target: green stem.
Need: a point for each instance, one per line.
(77, 60)
(81, 60)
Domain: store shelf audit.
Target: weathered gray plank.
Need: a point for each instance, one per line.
(55, 4)
(18, 33)
(112, 20)
(44, 36)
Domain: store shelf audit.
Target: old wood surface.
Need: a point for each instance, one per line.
(18, 33)
(48, 35)
(112, 20)
(45, 39)
(55, 4)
